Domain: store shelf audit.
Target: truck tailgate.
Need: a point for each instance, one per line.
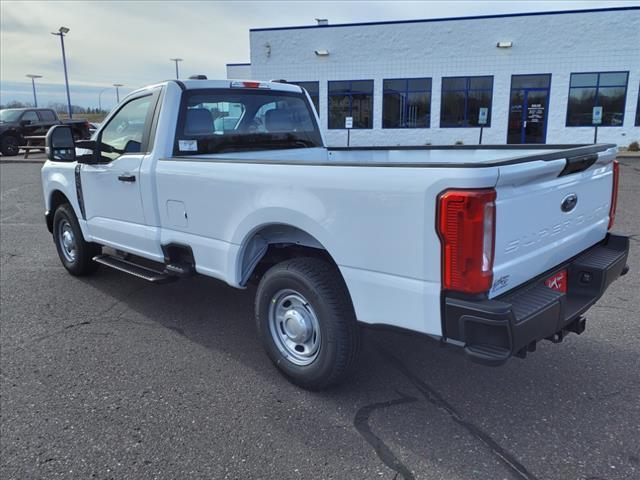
(547, 214)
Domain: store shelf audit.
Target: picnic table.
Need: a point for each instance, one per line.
(34, 142)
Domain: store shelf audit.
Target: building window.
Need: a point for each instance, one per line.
(351, 99)
(406, 103)
(587, 90)
(314, 92)
(462, 99)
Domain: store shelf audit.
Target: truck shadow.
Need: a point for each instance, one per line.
(570, 393)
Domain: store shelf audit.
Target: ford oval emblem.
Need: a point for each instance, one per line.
(569, 202)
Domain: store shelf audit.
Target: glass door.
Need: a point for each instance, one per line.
(528, 105)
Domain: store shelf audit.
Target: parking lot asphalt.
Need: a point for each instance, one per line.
(109, 377)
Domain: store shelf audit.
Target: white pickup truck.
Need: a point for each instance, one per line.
(490, 249)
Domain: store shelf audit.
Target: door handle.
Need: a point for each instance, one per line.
(127, 178)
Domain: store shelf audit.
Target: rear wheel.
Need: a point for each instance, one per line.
(306, 322)
(75, 253)
(9, 146)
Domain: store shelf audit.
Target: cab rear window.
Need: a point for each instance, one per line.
(228, 120)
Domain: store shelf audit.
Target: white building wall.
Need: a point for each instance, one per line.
(239, 71)
(559, 44)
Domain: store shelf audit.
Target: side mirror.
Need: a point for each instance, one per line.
(24, 123)
(60, 144)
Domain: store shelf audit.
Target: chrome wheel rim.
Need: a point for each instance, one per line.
(67, 241)
(294, 327)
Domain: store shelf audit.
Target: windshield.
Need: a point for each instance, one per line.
(218, 121)
(10, 115)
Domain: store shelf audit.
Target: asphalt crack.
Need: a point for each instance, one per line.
(40, 338)
(361, 422)
(432, 396)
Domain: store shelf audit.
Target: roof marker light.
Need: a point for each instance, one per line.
(249, 85)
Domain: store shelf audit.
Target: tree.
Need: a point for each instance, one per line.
(16, 104)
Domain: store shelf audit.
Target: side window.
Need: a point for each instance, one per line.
(125, 129)
(30, 116)
(47, 115)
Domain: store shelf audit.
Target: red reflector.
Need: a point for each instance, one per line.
(614, 194)
(251, 84)
(557, 281)
(466, 224)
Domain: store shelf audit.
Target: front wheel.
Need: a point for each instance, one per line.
(306, 322)
(75, 253)
(9, 146)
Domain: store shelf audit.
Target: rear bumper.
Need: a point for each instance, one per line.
(494, 330)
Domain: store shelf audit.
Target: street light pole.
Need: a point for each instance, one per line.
(176, 60)
(118, 85)
(62, 31)
(100, 98)
(33, 85)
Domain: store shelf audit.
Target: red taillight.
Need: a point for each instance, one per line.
(614, 194)
(466, 224)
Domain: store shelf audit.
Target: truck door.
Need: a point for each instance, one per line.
(111, 188)
(30, 123)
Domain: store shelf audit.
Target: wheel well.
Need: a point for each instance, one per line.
(57, 199)
(274, 244)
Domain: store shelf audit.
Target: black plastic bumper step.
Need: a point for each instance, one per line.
(488, 354)
(135, 269)
(511, 324)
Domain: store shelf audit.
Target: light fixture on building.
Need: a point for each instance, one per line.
(504, 44)
(322, 53)
(267, 49)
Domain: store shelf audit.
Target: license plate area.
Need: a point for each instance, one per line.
(557, 281)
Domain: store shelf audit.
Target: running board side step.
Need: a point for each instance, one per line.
(135, 269)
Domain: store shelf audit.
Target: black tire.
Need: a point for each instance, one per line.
(322, 287)
(9, 145)
(81, 263)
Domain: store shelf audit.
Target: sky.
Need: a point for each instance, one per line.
(131, 42)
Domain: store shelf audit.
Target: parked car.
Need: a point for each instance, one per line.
(17, 123)
(93, 127)
(489, 249)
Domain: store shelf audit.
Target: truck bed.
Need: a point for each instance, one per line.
(413, 156)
